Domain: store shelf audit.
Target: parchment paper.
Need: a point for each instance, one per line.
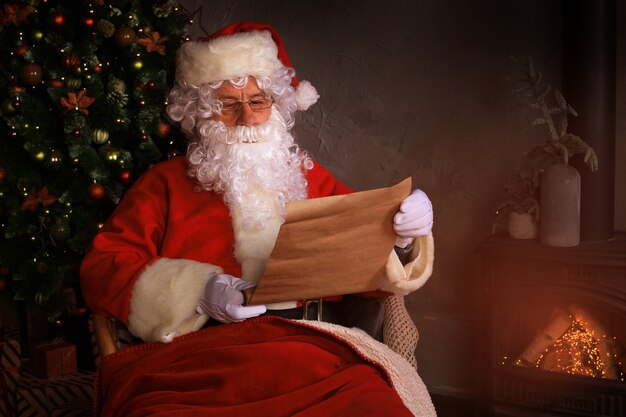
(332, 246)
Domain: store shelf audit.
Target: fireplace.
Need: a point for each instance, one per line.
(554, 328)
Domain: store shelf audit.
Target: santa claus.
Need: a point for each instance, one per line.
(195, 231)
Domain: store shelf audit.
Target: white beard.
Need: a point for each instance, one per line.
(257, 168)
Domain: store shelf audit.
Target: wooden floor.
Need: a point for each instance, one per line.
(454, 407)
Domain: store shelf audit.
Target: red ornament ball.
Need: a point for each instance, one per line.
(15, 88)
(89, 22)
(57, 20)
(71, 61)
(75, 133)
(124, 36)
(126, 176)
(144, 137)
(97, 68)
(163, 129)
(151, 84)
(3, 175)
(31, 73)
(20, 50)
(96, 191)
(55, 83)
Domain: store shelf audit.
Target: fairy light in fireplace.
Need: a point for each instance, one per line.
(576, 352)
(576, 344)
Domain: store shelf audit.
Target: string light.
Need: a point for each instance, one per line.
(576, 352)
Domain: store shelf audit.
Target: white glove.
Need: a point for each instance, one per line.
(414, 219)
(222, 299)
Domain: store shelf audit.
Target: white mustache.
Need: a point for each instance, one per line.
(239, 134)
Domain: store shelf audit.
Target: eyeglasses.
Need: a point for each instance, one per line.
(256, 104)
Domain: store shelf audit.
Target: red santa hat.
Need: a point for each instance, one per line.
(241, 49)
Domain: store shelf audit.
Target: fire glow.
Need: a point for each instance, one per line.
(575, 344)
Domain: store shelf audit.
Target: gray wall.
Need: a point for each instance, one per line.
(418, 88)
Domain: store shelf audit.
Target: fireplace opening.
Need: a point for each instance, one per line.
(574, 342)
(554, 323)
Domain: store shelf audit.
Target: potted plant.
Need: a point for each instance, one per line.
(560, 144)
(544, 190)
(519, 212)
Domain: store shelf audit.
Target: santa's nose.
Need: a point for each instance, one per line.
(247, 116)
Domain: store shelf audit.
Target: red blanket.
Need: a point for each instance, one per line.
(262, 367)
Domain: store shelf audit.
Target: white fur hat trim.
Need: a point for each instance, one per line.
(227, 57)
(237, 55)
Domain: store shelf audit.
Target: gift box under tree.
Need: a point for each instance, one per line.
(68, 395)
(54, 359)
(10, 363)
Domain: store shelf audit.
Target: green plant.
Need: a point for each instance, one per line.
(82, 99)
(521, 196)
(522, 188)
(560, 145)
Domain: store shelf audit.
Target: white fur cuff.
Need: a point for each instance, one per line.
(164, 299)
(404, 279)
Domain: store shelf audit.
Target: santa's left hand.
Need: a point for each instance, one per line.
(414, 219)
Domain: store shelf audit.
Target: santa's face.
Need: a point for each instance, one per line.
(258, 168)
(245, 115)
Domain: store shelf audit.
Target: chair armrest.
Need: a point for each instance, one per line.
(103, 332)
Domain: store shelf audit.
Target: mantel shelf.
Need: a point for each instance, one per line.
(606, 253)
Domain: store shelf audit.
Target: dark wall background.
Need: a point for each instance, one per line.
(419, 88)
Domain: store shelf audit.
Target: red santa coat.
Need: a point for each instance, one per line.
(163, 217)
(149, 263)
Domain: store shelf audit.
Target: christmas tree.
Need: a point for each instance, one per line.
(83, 89)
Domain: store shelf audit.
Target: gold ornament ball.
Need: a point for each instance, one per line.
(73, 83)
(31, 73)
(36, 35)
(60, 231)
(8, 107)
(106, 28)
(116, 85)
(100, 136)
(113, 155)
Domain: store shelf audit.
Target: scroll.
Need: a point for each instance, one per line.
(332, 246)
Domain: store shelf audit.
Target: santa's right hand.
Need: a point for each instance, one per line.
(223, 299)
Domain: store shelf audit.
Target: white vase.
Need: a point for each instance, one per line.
(521, 226)
(559, 221)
